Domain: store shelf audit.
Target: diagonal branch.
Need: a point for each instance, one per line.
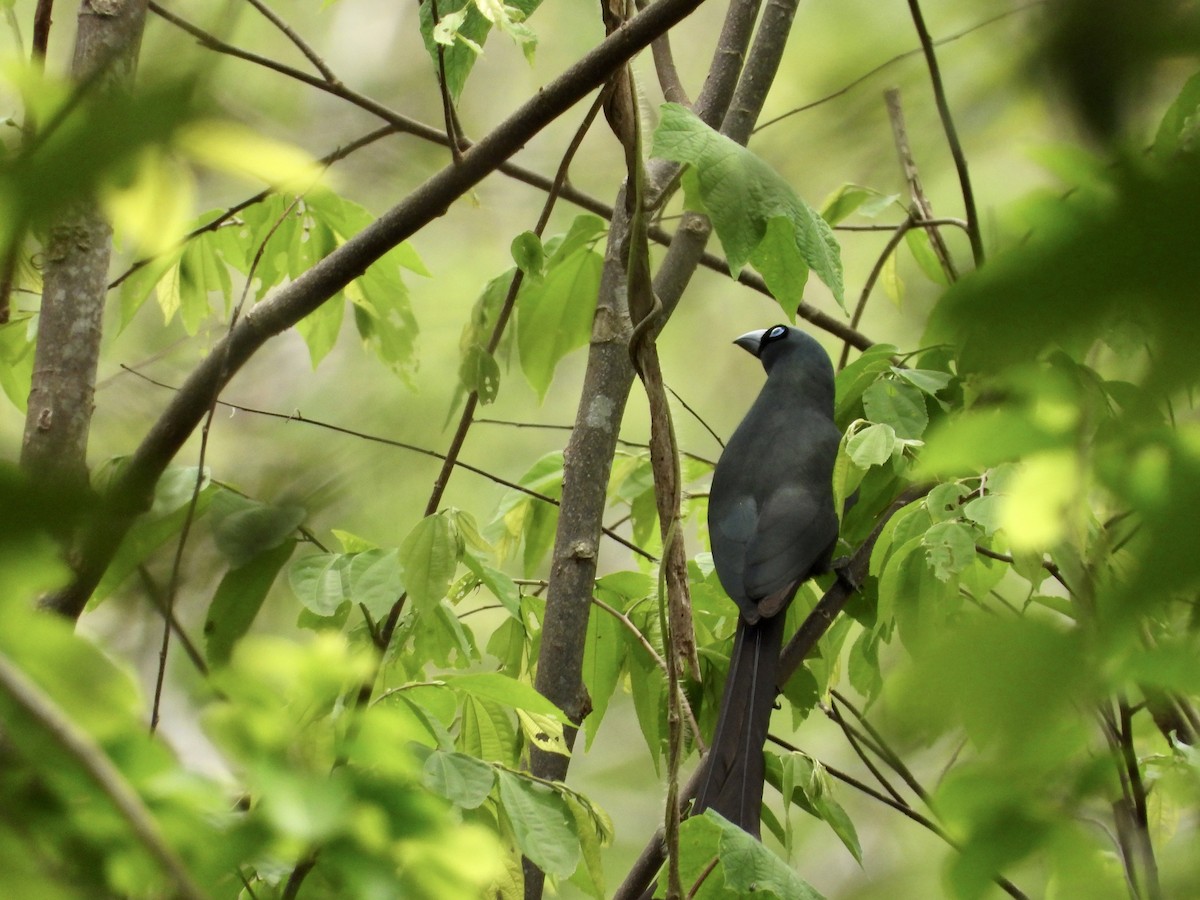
(35, 703)
(956, 150)
(132, 491)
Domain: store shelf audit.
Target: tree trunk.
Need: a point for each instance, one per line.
(75, 280)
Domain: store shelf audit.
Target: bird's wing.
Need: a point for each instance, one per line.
(793, 535)
(733, 522)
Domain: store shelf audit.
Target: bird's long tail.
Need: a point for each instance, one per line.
(733, 782)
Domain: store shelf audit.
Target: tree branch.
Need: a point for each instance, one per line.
(35, 703)
(956, 150)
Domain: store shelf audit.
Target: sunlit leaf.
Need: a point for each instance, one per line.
(542, 824)
(321, 582)
(742, 196)
(554, 315)
(235, 148)
(430, 555)
(892, 402)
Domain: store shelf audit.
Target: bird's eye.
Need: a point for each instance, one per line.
(777, 332)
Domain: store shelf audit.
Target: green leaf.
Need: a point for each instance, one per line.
(137, 288)
(595, 831)
(16, 360)
(169, 511)
(890, 280)
(585, 230)
(480, 373)
(900, 405)
(501, 586)
(863, 665)
(927, 380)
(810, 777)
(506, 691)
(950, 549)
(487, 731)
(383, 314)
(980, 439)
(847, 475)
(237, 148)
(604, 654)
(321, 582)
(528, 521)
(944, 501)
(751, 867)
(375, 579)
(352, 543)
(860, 374)
(320, 328)
(467, 31)
(542, 824)
(783, 269)
(851, 198)
(238, 599)
(430, 555)
(554, 315)
(871, 446)
(741, 195)
(921, 247)
(244, 528)
(529, 254)
(648, 683)
(463, 780)
(984, 511)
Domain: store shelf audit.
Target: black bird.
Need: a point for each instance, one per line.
(772, 526)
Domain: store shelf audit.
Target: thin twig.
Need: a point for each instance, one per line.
(703, 877)
(42, 17)
(853, 738)
(1047, 564)
(154, 592)
(189, 518)
(637, 445)
(899, 57)
(329, 426)
(1137, 790)
(869, 284)
(917, 223)
(302, 45)
(956, 150)
(448, 115)
(887, 753)
(904, 809)
(919, 205)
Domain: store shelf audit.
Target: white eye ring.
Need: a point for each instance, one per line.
(777, 331)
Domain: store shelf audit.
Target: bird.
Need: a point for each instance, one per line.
(772, 526)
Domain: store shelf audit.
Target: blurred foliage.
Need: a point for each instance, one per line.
(1027, 630)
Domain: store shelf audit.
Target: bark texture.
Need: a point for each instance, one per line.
(78, 248)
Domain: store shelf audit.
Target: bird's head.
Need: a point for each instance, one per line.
(779, 341)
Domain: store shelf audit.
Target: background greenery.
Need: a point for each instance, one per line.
(1023, 649)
